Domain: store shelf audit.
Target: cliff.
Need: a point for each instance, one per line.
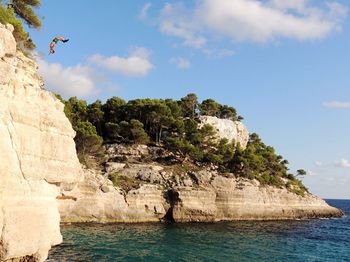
(37, 154)
(147, 191)
(231, 130)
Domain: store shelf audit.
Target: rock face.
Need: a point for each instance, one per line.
(150, 192)
(37, 153)
(232, 130)
(95, 199)
(225, 199)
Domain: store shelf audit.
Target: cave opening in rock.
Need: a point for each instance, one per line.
(172, 198)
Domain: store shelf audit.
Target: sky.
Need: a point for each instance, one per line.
(283, 64)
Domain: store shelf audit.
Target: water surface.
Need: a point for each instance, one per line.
(302, 240)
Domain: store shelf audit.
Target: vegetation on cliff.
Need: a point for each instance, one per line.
(14, 12)
(174, 126)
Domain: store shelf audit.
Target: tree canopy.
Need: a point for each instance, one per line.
(174, 125)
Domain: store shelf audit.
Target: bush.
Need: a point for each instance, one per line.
(123, 182)
(88, 143)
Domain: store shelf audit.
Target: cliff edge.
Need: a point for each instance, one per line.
(37, 154)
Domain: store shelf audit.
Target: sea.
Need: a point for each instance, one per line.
(297, 240)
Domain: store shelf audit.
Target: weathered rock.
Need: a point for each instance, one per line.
(104, 189)
(187, 182)
(112, 167)
(202, 177)
(241, 199)
(194, 205)
(37, 153)
(145, 172)
(147, 203)
(127, 150)
(7, 41)
(88, 202)
(232, 130)
(201, 196)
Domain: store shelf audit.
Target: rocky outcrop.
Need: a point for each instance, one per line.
(37, 154)
(95, 199)
(150, 192)
(231, 130)
(226, 199)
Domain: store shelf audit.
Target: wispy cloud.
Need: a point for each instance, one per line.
(143, 15)
(319, 163)
(136, 64)
(251, 20)
(337, 104)
(343, 163)
(176, 21)
(311, 173)
(181, 63)
(218, 53)
(77, 80)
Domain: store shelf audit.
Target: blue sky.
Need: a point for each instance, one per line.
(283, 64)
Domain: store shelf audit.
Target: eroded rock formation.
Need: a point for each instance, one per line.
(148, 191)
(37, 153)
(231, 130)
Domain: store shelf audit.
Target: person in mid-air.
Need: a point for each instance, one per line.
(55, 41)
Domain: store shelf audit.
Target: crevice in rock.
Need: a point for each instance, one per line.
(2, 244)
(172, 198)
(58, 184)
(193, 177)
(66, 197)
(14, 147)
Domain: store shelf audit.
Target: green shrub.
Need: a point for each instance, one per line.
(123, 182)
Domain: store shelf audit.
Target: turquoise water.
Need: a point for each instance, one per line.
(303, 240)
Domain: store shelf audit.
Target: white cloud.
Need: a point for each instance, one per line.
(218, 53)
(311, 173)
(337, 104)
(181, 63)
(337, 12)
(318, 163)
(136, 64)
(144, 11)
(176, 21)
(251, 20)
(71, 81)
(343, 163)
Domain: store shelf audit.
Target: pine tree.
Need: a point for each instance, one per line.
(24, 10)
(14, 12)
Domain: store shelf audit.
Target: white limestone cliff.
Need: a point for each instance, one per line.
(37, 153)
(147, 191)
(231, 130)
